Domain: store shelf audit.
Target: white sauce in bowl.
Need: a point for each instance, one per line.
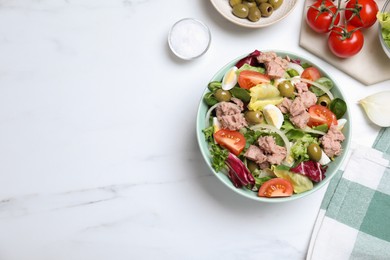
(189, 38)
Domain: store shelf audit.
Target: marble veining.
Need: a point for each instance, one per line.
(98, 153)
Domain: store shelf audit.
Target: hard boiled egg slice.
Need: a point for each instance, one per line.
(324, 159)
(341, 123)
(229, 79)
(216, 125)
(273, 115)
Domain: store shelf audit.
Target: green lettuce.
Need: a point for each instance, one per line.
(299, 182)
(246, 66)
(384, 20)
(299, 148)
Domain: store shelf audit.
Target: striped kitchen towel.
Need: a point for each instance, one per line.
(354, 218)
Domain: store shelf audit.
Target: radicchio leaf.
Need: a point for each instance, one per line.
(313, 170)
(251, 59)
(238, 173)
(296, 61)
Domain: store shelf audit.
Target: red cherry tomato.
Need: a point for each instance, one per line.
(361, 13)
(345, 42)
(320, 115)
(276, 187)
(311, 73)
(320, 15)
(248, 79)
(232, 140)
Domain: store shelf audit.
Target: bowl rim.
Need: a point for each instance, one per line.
(385, 47)
(232, 19)
(199, 23)
(240, 191)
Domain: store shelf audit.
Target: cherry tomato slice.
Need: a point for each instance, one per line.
(276, 187)
(320, 115)
(232, 140)
(311, 73)
(248, 79)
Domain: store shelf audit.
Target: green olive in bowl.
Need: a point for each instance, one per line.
(266, 9)
(241, 10)
(275, 3)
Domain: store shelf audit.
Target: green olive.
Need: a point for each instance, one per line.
(249, 4)
(252, 166)
(254, 117)
(286, 89)
(254, 14)
(314, 151)
(266, 9)
(324, 100)
(241, 10)
(275, 3)
(234, 2)
(258, 2)
(222, 95)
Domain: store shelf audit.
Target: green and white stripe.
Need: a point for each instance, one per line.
(354, 219)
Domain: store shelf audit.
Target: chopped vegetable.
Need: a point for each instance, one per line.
(277, 187)
(232, 140)
(300, 182)
(238, 171)
(384, 20)
(338, 107)
(246, 66)
(219, 156)
(249, 78)
(262, 95)
(251, 59)
(313, 170)
(323, 81)
(299, 149)
(320, 115)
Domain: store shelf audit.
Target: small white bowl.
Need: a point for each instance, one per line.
(189, 38)
(224, 8)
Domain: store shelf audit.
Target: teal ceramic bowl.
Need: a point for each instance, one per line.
(332, 167)
(386, 48)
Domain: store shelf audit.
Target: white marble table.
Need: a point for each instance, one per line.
(98, 155)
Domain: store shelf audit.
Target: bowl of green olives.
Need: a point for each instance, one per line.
(254, 13)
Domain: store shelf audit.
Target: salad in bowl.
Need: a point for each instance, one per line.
(273, 126)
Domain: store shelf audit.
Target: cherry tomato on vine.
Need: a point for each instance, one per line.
(346, 41)
(361, 13)
(320, 15)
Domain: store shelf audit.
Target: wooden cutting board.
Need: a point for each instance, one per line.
(369, 66)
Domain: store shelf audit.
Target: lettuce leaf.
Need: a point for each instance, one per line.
(299, 148)
(219, 156)
(299, 182)
(262, 95)
(384, 20)
(246, 66)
